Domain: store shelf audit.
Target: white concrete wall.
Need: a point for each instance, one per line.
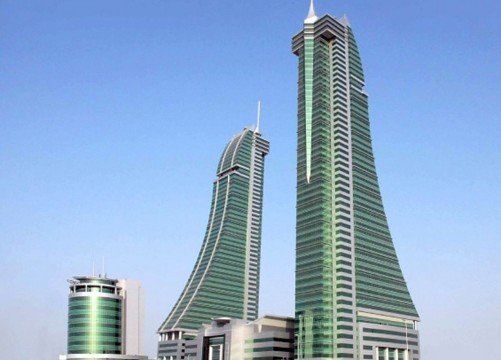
(133, 316)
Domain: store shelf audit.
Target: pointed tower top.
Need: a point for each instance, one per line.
(312, 17)
(258, 116)
(344, 20)
(311, 13)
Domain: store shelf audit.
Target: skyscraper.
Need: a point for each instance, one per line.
(225, 278)
(352, 301)
(105, 319)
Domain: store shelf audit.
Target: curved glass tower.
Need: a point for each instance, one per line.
(352, 301)
(94, 316)
(225, 278)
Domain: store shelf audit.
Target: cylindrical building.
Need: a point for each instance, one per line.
(94, 316)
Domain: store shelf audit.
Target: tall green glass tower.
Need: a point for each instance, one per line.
(225, 278)
(352, 301)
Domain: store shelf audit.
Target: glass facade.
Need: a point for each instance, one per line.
(94, 317)
(347, 271)
(225, 278)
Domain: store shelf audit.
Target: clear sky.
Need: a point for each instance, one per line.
(113, 115)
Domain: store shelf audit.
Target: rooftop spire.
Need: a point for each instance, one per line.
(312, 17)
(258, 115)
(311, 13)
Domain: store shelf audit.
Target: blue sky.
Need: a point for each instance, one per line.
(113, 116)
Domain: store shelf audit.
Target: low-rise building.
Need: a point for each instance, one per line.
(269, 337)
(105, 319)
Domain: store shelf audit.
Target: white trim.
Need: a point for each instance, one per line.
(248, 237)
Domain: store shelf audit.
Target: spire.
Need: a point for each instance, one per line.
(312, 17)
(258, 115)
(344, 20)
(311, 13)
